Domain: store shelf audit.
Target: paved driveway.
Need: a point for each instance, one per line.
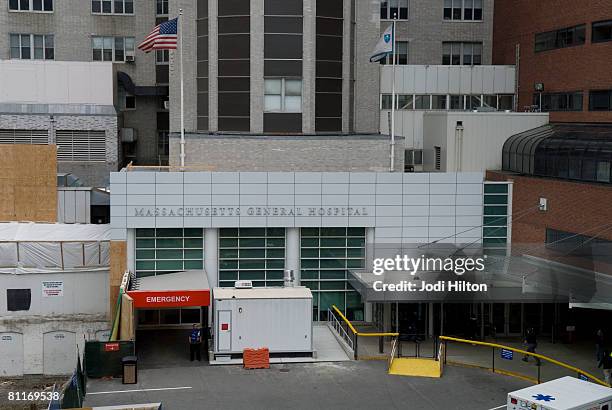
(345, 385)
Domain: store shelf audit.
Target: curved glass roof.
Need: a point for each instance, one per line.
(569, 151)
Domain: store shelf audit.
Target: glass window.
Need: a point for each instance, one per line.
(162, 7)
(461, 53)
(283, 95)
(506, 102)
(600, 100)
(258, 254)
(385, 102)
(112, 7)
(456, 102)
(565, 37)
(422, 102)
(394, 9)
(602, 31)
(404, 102)
(558, 101)
(31, 46)
(490, 101)
(111, 48)
(438, 102)
(160, 251)
(31, 5)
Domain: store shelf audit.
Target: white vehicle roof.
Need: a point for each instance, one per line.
(568, 393)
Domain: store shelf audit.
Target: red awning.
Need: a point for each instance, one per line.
(180, 289)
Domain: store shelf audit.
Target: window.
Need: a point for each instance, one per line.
(466, 10)
(438, 102)
(414, 157)
(461, 53)
(283, 95)
(18, 299)
(162, 57)
(505, 102)
(602, 31)
(422, 102)
(566, 37)
(438, 158)
(162, 7)
(167, 250)
(112, 48)
(129, 102)
(456, 102)
(394, 9)
(32, 46)
(113, 6)
(31, 5)
(558, 101)
(600, 100)
(401, 55)
(405, 102)
(385, 102)
(256, 254)
(495, 219)
(326, 256)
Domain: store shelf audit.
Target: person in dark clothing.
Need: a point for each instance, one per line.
(195, 343)
(600, 344)
(531, 341)
(606, 364)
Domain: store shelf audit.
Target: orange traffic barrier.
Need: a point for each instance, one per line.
(256, 358)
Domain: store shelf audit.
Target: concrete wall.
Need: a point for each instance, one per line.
(56, 82)
(483, 138)
(48, 333)
(287, 153)
(28, 183)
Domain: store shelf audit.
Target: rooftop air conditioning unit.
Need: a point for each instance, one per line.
(129, 135)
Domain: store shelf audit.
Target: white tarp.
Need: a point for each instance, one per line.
(39, 247)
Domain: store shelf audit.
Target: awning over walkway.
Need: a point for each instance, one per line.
(180, 289)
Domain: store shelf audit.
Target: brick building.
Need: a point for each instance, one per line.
(565, 51)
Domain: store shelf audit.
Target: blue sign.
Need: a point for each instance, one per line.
(507, 354)
(387, 38)
(543, 397)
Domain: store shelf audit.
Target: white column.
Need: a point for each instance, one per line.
(211, 255)
(131, 249)
(292, 252)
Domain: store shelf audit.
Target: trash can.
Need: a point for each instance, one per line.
(130, 369)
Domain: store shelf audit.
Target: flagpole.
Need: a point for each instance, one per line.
(392, 165)
(180, 21)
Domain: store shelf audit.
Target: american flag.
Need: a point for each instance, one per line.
(163, 37)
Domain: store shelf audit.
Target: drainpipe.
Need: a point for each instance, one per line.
(458, 145)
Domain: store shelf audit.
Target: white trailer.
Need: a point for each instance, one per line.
(277, 318)
(566, 393)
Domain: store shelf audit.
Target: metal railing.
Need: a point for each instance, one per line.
(340, 329)
(394, 350)
(350, 328)
(539, 357)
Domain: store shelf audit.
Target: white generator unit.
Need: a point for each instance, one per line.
(277, 318)
(566, 393)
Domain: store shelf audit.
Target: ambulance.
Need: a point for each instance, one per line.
(566, 393)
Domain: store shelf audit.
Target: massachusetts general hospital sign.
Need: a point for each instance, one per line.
(249, 211)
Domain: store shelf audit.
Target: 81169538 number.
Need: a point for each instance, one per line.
(33, 395)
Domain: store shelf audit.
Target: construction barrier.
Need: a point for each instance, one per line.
(256, 358)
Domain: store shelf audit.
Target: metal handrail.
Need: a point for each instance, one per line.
(350, 325)
(394, 351)
(447, 339)
(337, 325)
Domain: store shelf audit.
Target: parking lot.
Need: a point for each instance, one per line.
(354, 385)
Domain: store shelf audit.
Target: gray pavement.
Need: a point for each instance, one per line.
(345, 385)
